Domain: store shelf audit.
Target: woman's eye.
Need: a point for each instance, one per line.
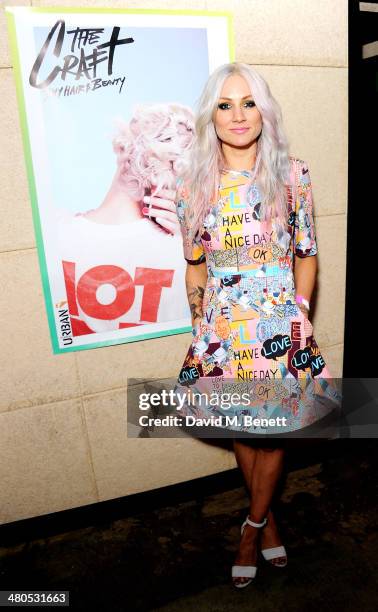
(225, 105)
(166, 139)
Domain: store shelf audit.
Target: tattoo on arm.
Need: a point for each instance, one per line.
(195, 297)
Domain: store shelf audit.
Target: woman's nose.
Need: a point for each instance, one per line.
(238, 114)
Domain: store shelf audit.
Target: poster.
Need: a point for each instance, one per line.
(106, 101)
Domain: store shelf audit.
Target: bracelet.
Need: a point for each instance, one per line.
(302, 300)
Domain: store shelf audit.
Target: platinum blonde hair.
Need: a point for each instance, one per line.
(153, 148)
(272, 165)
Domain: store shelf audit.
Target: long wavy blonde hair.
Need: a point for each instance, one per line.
(153, 148)
(272, 166)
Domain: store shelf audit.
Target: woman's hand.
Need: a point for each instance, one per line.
(305, 269)
(303, 309)
(162, 207)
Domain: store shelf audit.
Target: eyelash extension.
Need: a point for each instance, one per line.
(222, 105)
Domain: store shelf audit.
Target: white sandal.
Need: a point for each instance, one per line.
(274, 553)
(245, 571)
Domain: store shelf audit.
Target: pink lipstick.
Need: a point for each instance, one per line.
(239, 130)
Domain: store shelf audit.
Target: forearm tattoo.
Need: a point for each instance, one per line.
(195, 298)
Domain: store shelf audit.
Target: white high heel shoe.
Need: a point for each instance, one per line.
(245, 571)
(274, 553)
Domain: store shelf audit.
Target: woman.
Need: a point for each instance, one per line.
(118, 281)
(249, 242)
(151, 153)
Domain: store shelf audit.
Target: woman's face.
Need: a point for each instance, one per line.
(237, 121)
(175, 136)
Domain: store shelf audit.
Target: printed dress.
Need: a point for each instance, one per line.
(253, 340)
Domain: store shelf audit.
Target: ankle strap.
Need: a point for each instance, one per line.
(264, 522)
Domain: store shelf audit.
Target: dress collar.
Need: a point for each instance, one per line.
(233, 178)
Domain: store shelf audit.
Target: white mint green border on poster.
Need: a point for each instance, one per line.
(11, 14)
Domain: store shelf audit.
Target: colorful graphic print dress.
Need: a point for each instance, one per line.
(253, 337)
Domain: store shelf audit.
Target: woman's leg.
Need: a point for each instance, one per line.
(261, 467)
(245, 455)
(273, 459)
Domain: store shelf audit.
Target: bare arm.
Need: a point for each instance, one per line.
(305, 269)
(196, 278)
(305, 261)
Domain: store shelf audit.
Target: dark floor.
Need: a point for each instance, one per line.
(177, 556)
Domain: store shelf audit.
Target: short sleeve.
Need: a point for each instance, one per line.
(304, 225)
(193, 250)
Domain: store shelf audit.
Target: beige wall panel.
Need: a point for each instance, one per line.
(289, 32)
(129, 465)
(314, 103)
(16, 223)
(128, 4)
(44, 461)
(333, 356)
(30, 373)
(329, 303)
(5, 57)
(111, 367)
